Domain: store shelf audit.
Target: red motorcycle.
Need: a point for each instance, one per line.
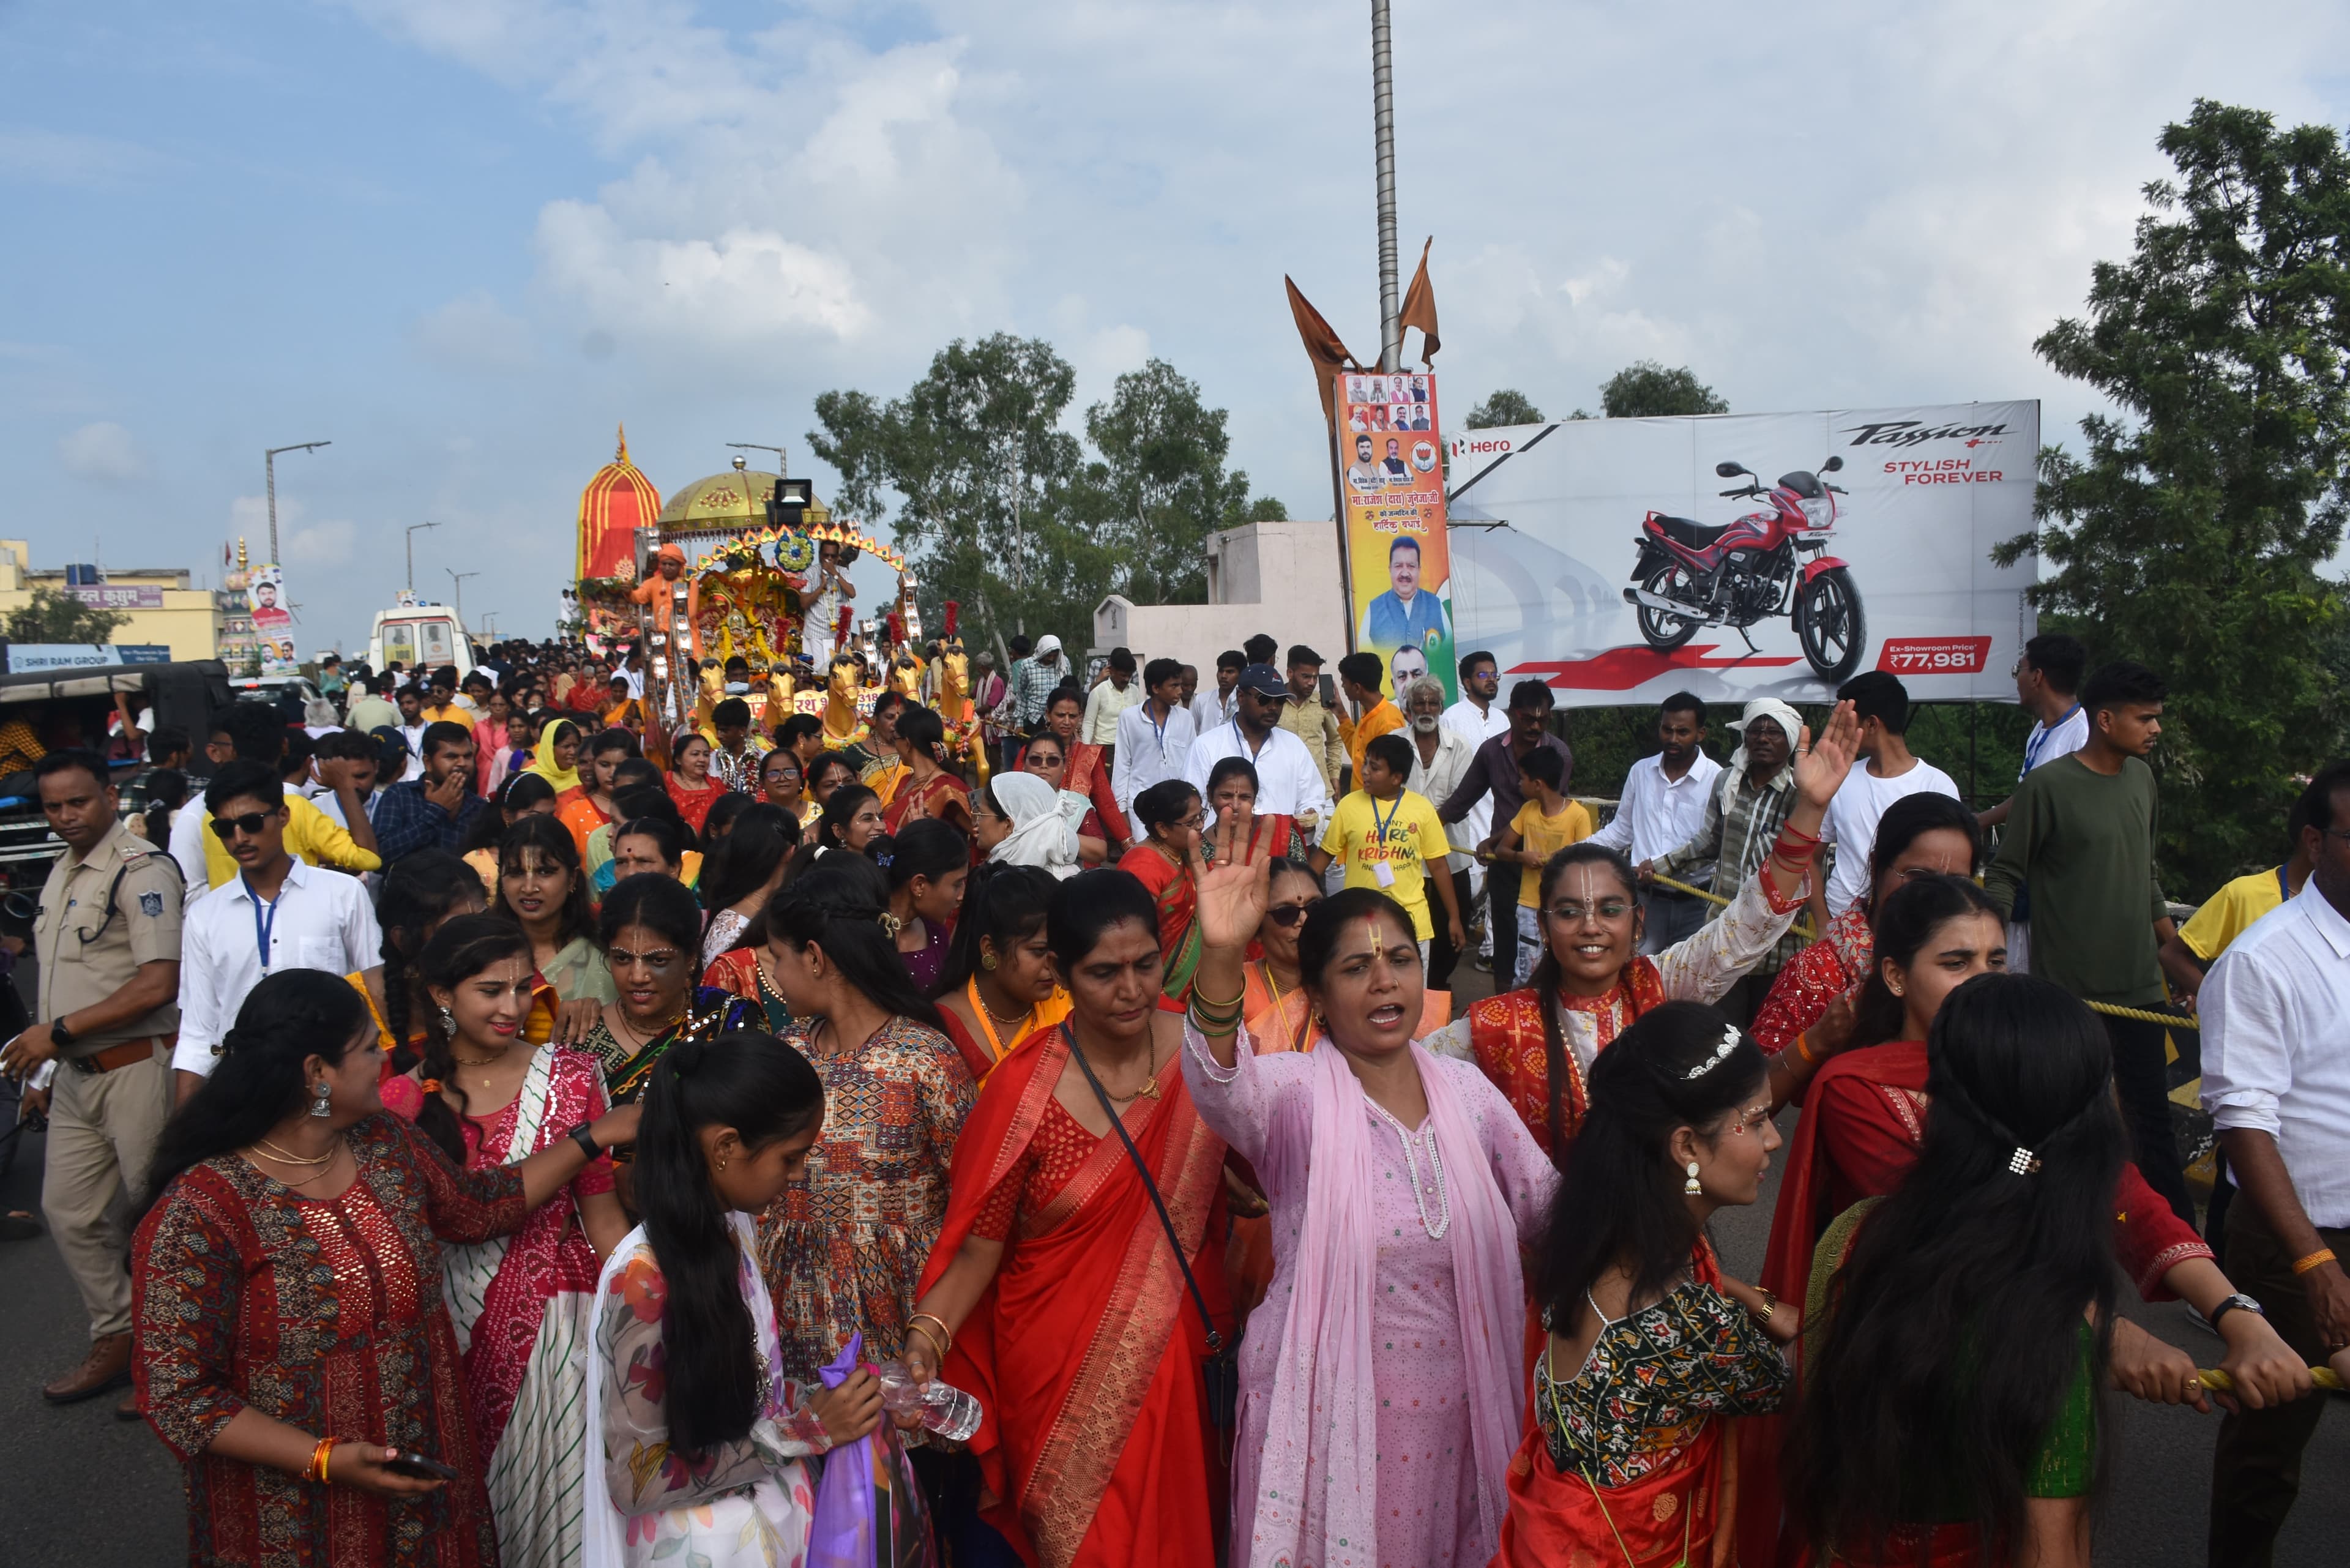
(1765, 565)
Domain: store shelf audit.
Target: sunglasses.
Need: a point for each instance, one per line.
(1287, 915)
(226, 828)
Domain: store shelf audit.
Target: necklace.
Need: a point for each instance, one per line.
(1297, 1040)
(1412, 1143)
(283, 1158)
(1149, 1087)
(641, 1040)
(989, 1018)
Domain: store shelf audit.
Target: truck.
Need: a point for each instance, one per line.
(419, 637)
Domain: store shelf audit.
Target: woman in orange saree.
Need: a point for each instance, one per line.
(1087, 772)
(1054, 1292)
(1172, 814)
(999, 986)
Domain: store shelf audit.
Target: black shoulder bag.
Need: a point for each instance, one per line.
(1219, 1369)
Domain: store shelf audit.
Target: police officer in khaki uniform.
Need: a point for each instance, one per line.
(109, 937)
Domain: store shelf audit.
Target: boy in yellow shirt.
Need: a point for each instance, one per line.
(1547, 824)
(1385, 834)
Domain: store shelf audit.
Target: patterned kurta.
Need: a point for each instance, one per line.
(326, 1315)
(843, 1248)
(1503, 1035)
(1652, 1381)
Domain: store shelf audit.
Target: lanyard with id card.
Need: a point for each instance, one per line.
(1380, 870)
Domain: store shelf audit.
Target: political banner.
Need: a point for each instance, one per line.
(1743, 555)
(273, 622)
(1390, 456)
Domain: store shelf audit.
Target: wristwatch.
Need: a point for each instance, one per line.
(59, 1032)
(2231, 1303)
(584, 1135)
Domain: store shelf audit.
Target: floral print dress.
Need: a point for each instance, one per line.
(744, 1505)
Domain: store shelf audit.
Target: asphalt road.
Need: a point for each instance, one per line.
(81, 1489)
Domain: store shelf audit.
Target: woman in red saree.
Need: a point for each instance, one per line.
(1538, 1045)
(1053, 1291)
(1918, 835)
(1086, 770)
(928, 789)
(689, 782)
(1864, 1124)
(1172, 814)
(1649, 1348)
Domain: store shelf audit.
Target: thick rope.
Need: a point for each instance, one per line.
(2219, 1382)
(1661, 880)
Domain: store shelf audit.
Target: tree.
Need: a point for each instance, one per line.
(2189, 533)
(1001, 508)
(1507, 406)
(52, 617)
(1163, 483)
(1646, 389)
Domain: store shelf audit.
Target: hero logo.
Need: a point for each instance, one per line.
(1462, 446)
(1917, 432)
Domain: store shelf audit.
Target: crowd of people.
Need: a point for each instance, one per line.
(486, 1126)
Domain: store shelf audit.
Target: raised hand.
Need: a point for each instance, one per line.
(1821, 765)
(1234, 892)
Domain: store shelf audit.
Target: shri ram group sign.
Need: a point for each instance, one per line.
(1743, 555)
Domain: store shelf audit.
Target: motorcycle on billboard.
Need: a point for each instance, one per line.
(1766, 564)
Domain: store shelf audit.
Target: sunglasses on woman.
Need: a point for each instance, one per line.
(1287, 915)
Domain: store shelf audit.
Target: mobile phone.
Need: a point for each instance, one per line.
(420, 1466)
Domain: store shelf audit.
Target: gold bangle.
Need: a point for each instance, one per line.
(2318, 1259)
(916, 1322)
(912, 1327)
(1770, 1305)
(1235, 1004)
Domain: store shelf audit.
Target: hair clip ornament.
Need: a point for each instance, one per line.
(1730, 1038)
(2024, 1162)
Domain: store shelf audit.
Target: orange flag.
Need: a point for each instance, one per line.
(1420, 306)
(1322, 347)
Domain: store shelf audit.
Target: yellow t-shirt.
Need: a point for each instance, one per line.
(1399, 835)
(1546, 836)
(2231, 911)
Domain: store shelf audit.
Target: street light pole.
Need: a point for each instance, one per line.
(269, 469)
(782, 470)
(412, 527)
(1383, 137)
(459, 577)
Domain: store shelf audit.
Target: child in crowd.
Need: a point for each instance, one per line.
(1383, 833)
(1547, 824)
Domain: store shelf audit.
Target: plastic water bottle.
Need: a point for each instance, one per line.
(945, 1409)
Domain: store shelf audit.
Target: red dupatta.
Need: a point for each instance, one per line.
(1088, 776)
(945, 796)
(1505, 1035)
(1085, 1349)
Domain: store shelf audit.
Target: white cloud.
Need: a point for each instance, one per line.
(474, 333)
(320, 545)
(103, 454)
(64, 158)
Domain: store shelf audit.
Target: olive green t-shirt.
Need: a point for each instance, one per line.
(2085, 841)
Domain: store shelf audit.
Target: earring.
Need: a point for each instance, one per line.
(987, 961)
(1894, 989)
(318, 1102)
(448, 1023)
(1692, 1186)
(722, 1162)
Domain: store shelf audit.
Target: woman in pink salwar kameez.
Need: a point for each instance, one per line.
(1381, 1380)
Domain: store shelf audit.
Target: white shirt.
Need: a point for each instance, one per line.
(2047, 742)
(1147, 753)
(1477, 726)
(637, 677)
(414, 735)
(1212, 708)
(1288, 782)
(1439, 779)
(1104, 704)
(321, 921)
(1657, 814)
(2276, 1058)
(1852, 817)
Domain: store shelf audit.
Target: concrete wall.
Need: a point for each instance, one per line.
(1281, 579)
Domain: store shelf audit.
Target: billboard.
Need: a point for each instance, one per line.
(1390, 459)
(31, 658)
(273, 622)
(1743, 555)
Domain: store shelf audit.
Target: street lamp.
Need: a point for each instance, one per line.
(459, 577)
(412, 527)
(269, 467)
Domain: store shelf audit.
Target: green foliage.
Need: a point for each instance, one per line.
(1506, 406)
(2189, 533)
(55, 617)
(1646, 390)
(1000, 507)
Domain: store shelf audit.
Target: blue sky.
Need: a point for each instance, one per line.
(463, 238)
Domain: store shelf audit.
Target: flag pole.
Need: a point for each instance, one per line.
(1383, 135)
